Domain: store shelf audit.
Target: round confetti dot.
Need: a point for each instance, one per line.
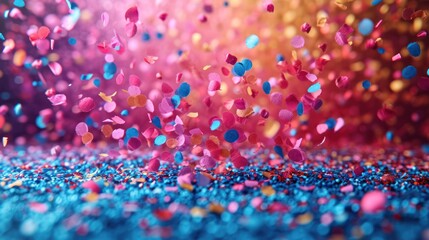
(409, 72)
(87, 138)
(298, 42)
(373, 202)
(366, 84)
(184, 90)
(86, 104)
(296, 155)
(81, 128)
(247, 63)
(239, 69)
(366, 26)
(161, 139)
(414, 49)
(252, 41)
(231, 135)
(134, 143)
(314, 88)
(266, 86)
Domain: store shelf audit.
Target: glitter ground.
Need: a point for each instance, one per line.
(82, 194)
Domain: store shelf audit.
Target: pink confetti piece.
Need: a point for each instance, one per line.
(251, 183)
(347, 188)
(285, 115)
(134, 90)
(118, 133)
(81, 128)
(120, 78)
(105, 19)
(311, 77)
(276, 98)
(396, 57)
(132, 14)
(305, 27)
(58, 99)
(296, 155)
(307, 188)
(134, 80)
(207, 162)
(343, 33)
(373, 202)
(228, 119)
(342, 81)
(38, 207)
(109, 106)
(163, 16)
(118, 120)
(86, 104)
(297, 42)
(422, 33)
(322, 128)
(339, 124)
(92, 186)
(56, 68)
(134, 144)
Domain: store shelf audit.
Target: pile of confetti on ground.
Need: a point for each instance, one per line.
(337, 194)
(214, 119)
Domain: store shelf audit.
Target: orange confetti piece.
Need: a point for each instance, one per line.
(87, 138)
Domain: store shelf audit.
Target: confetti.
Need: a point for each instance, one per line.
(252, 41)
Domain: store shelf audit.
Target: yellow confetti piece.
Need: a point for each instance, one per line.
(304, 218)
(103, 155)
(107, 98)
(207, 67)
(198, 212)
(216, 208)
(17, 183)
(188, 187)
(268, 190)
(271, 128)
(5, 140)
(193, 114)
(19, 57)
(91, 197)
(245, 113)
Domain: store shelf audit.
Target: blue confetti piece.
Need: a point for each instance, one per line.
(366, 84)
(375, 2)
(266, 86)
(252, 41)
(215, 125)
(86, 77)
(146, 37)
(2, 37)
(389, 136)
(381, 50)
(40, 123)
(239, 69)
(231, 135)
(159, 35)
(124, 112)
(156, 121)
(18, 109)
(175, 100)
(300, 109)
(183, 90)
(97, 82)
(161, 139)
(279, 151)
(19, 3)
(247, 63)
(409, 72)
(178, 157)
(331, 122)
(72, 41)
(366, 26)
(132, 132)
(314, 88)
(279, 58)
(414, 49)
(110, 67)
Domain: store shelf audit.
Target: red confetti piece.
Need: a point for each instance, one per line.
(86, 104)
(132, 14)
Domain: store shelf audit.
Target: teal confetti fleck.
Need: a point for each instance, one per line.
(366, 26)
(184, 90)
(215, 125)
(300, 109)
(314, 88)
(266, 86)
(161, 139)
(86, 77)
(19, 3)
(252, 41)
